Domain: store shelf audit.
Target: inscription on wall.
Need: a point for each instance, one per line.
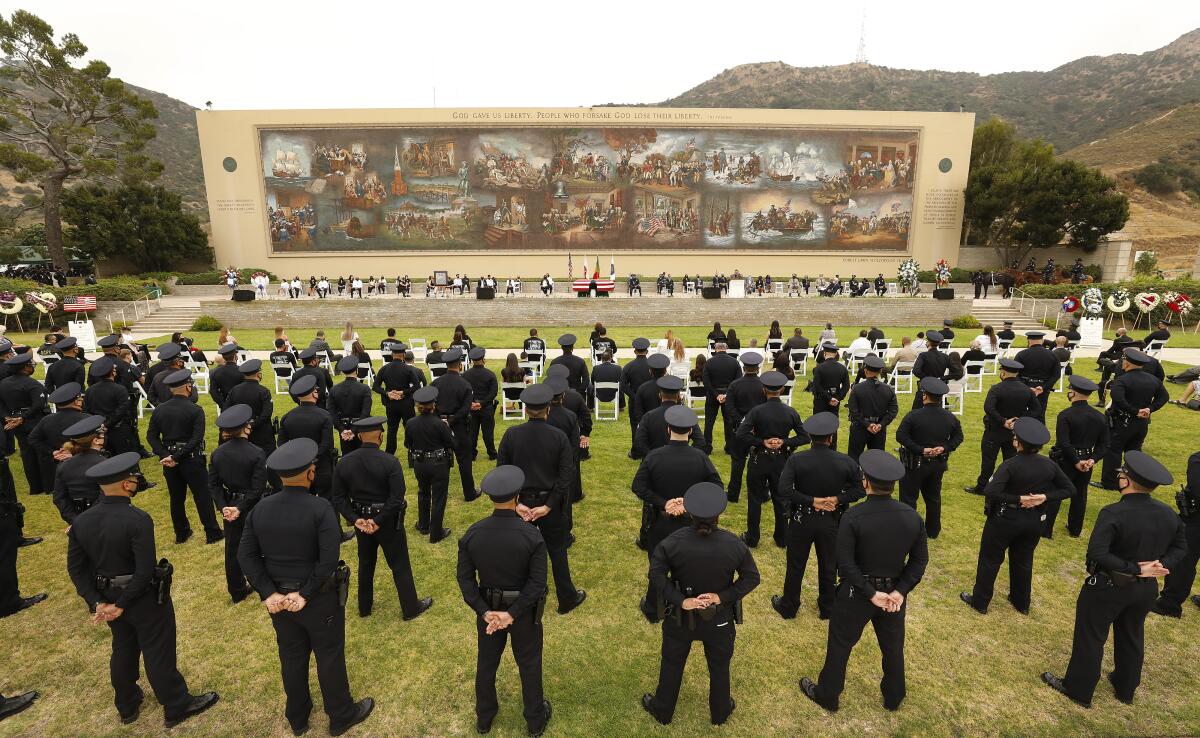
(941, 207)
(238, 205)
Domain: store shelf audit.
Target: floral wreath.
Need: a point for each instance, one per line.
(943, 272)
(45, 302)
(1178, 303)
(1147, 301)
(10, 304)
(1118, 301)
(908, 273)
(1070, 304)
(1093, 301)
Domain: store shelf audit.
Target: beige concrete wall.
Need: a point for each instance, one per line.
(1114, 258)
(239, 222)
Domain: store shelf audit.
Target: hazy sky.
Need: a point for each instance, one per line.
(254, 54)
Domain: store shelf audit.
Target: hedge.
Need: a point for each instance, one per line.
(119, 289)
(1190, 287)
(218, 277)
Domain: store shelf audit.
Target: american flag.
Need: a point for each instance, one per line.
(80, 304)
(651, 225)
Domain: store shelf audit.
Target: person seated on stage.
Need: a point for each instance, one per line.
(974, 353)
(341, 285)
(852, 285)
(863, 286)
(509, 287)
(906, 352)
(547, 285)
(822, 284)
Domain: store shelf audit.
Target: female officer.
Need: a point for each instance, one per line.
(430, 445)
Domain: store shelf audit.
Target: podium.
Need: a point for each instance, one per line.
(485, 293)
(943, 293)
(243, 295)
(737, 288)
(710, 293)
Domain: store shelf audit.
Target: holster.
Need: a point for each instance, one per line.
(164, 573)
(81, 503)
(341, 577)
(649, 517)
(1188, 505)
(1116, 578)
(1118, 419)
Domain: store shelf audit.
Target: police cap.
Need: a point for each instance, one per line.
(85, 426)
(109, 341)
(821, 424)
(19, 359)
(537, 395)
(1144, 470)
(302, 386)
(678, 416)
(873, 362)
(252, 366)
(234, 416)
(640, 344)
(348, 364)
(67, 343)
(751, 358)
(117, 469)
(101, 367)
(363, 425)
(68, 392)
(169, 351)
(705, 500)
(477, 353)
(1080, 383)
(503, 483)
(558, 385)
(773, 380)
(880, 466)
(292, 457)
(308, 353)
(429, 393)
(567, 339)
(1011, 365)
(227, 349)
(669, 383)
(1031, 431)
(659, 361)
(1132, 355)
(933, 338)
(934, 386)
(178, 378)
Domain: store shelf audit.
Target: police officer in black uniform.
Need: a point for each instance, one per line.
(1039, 369)
(1178, 583)
(743, 395)
(927, 437)
(107, 398)
(1135, 395)
(693, 570)
(881, 555)
(12, 514)
(567, 422)
(224, 378)
(68, 368)
(577, 404)
(664, 475)
(872, 407)
(74, 492)
(930, 363)
(1016, 509)
(309, 420)
(502, 575)
(633, 375)
(111, 560)
(454, 405)
(430, 447)
(310, 358)
(396, 381)
(830, 383)
(368, 490)
(771, 431)
(577, 377)
(47, 436)
(719, 372)
(172, 360)
(653, 430)
(348, 402)
(289, 553)
(261, 402)
(545, 455)
(1006, 400)
(1136, 540)
(646, 398)
(237, 480)
(1080, 440)
(817, 487)
(483, 404)
(23, 405)
(176, 435)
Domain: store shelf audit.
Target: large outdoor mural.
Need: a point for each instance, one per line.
(437, 189)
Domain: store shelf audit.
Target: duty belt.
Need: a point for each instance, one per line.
(535, 497)
(881, 584)
(235, 496)
(916, 461)
(1189, 505)
(119, 582)
(1116, 578)
(429, 456)
(800, 511)
(367, 509)
(995, 509)
(82, 503)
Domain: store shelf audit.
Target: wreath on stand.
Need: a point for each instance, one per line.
(943, 273)
(1093, 301)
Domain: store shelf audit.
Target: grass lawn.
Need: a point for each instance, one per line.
(967, 674)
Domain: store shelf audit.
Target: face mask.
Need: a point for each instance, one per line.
(1122, 483)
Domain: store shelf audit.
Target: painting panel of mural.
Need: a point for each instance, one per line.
(410, 189)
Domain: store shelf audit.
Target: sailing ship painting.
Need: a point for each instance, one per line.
(286, 165)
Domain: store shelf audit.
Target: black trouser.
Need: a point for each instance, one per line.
(235, 580)
(762, 485)
(39, 467)
(978, 289)
(527, 652)
(1122, 439)
(633, 424)
(860, 439)
(10, 539)
(1100, 606)
(554, 531)
(317, 630)
(433, 485)
(146, 631)
(1044, 400)
(737, 462)
(121, 438)
(1016, 533)
(662, 528)
(392, 539)
(190, 473)
(990, 444)
(812, 531)
(1078, 503)
(1106, 372)
(263, 436)
(718, 636)
(462, 454)
(852, 610)
(398, 413)
(711, 409)
(484, 418)
(322, 485)
(1178, 584)
(925, 481)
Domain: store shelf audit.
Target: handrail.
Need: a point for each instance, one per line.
(137, 314)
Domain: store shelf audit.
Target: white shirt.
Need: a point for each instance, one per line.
(357, 284)
(295, 284)
(919, 345)
(985, 344)
(860, 345)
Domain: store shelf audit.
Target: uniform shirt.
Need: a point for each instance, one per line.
(634, 375)
(1009, 398)
(483, 385)
(23, 396)
(1041, 367)
(1028, 474)
(546, 456)
(719, 372)
(176, 421)
(290, 536)
(1130, 392)
(645, 399)
(574, 402)
(397, 376)
(772, 419)
(308, 421)
(821, 472)
(1006, 335)
(159, 392)
(669, 470)
(47, 435)
(566, 421)
(127, 374)
(1136, 528)
(368, 476)
(109, 399)
(261, 403)
(1080, 426)
(947, 334)
(931, 363)
(71, 483)
(881, 537)
(427, 433)
(744, 393)
(111, 538)
(324, 380)
(872, 398)
(454, 397)
(929, 426)
(349, 401)
(577, 376)
(64, 371)
(153, 372)
(830, 380)
(653, 432)
(703, 564)
(239, 467)
(502, 551)
(223, 380)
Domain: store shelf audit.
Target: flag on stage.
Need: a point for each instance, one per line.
(570, 267)
(585, 269)
(612, 266)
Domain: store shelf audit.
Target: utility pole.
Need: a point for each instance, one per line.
(861, 56)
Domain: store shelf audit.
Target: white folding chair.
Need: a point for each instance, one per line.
(696, 396)
(537, 357)
(418, 348)
(800, 362)
(1062, 373)
(243, 356)
(283, 377)
(856, 359)
(1155, 347)
(199, 373)
(144, 403)
(893, 288)
(614, 403)
(774, 346)
(1002, 347)
(955, 399)
(973, 381)
(881, 346)
(511, 407)
(533, 367)
(991, 363)
(786, 395)
(944, 347)
(437, 369)
(901, 377)
(711, 344)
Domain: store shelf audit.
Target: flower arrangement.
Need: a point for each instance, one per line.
(1147, 301)
(908, 275)
(1118, 301)
(1093, 301)
(943, 273)
(1178, 303)
(1070, 304)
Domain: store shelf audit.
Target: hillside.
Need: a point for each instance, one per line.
(1142, 143)
(177, 146)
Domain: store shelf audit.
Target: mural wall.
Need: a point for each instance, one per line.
(440, 189)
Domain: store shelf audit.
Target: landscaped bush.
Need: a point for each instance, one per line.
(218, 277)
(206, 323)
(119, 289)
(965, 321)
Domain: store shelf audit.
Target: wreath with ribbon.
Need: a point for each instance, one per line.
(1070, 304)
(1093, 301)
(1178, 303)
(1118, 301)
(1147, 301)
(10, 304)
(45, 302)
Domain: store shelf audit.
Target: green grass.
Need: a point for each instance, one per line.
(967, 674)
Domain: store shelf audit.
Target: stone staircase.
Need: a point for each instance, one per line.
(994, 311)
(174, 315)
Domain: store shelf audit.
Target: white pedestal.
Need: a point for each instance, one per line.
(84, 334)
(737, 288)
(1091, 332)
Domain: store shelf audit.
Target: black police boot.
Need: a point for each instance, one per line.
(492, 456)
(183, 537)
(299, 728)
(472, 496)
(12, 705)
(777, 606)
(130, 716)
(648, 706)
(422, 606)
(1022, 610)
(538, 728)
(242, 594)
(970, 600)
(196, 705)
(347, 535)
(751, 542)
(29, 541)
(361, 712)
(1125, 700)
(972, 490)
(24, 603)
(580, 596)
(483, 726)
(809, 688)
(1056, 683)
(214, 539)
(732, 707)
(440, 536)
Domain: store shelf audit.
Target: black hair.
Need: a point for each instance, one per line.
(880, 486)
(820, 439)
(704, 526)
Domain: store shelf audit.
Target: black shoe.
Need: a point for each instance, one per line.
(639, 543)
(1196, 600)
(809, 688)
(347, 535)
(300, 729)
(1057, 685)
(752, 543)
(195, 706)
(580, 597)
(780, 544)
(361, 712)
(1074, 535)
(472, 496)
(24, 603)
(214, 539)
(970, 600)
(1101, 485)
(1115, 694)
(648, 706)
(1023, 611)
(777, 606)
(733, 496)
(483, 726)
(128, 718)
(182, 538)
(10, 706)
(29, 541)
(364, 613)
(630, 455)
(422, 606)
(492, 456)
(570, 540)
(822, 615)
(891, 708)
(538, 729)
(441, 536)
(423, 531)
(732, 707)
(972, 490)
(243, 594)
(650, 615)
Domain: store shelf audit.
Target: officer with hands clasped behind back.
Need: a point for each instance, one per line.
(223, 379)
(74, 492)
(289, 552)
(111, 560)
(1135, 541)
(694, 571)
(502, 576)
(454, 405)
(1015, 507)
(1135, 396)
(261, 402)
(176, 435)
(1080, 440)
(430, 447)
(744, 393)
(395, 382)
(771, 431)
(1178, 583)
(872, 407)
(237, 479)
(483, 403)
(1006, 401)
(368, 490)
(881, 554)
(830, 383)
(927, 437)
(1039, 369)
(348, 402)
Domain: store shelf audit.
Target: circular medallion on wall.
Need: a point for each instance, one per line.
(230, 164)
(944, 165)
